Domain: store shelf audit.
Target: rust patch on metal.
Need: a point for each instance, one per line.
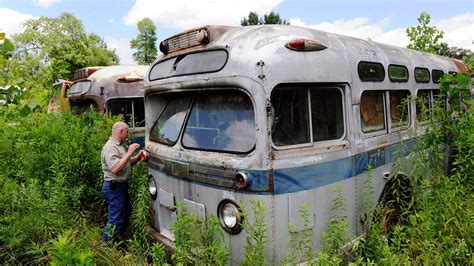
(271, 181)
(460, 66)
(383, 143)
(169, 245)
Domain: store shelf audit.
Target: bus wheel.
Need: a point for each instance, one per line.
(396, 201)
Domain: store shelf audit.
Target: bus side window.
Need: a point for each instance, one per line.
(123, 108)
(327, 114)
(423, 105)
(399, 102)
(372, 111)
(291, 123)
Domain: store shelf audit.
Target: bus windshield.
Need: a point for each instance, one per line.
(221, 121)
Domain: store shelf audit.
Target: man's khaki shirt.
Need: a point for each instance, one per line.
(111, 154)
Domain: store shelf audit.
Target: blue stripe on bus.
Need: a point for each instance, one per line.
(312, 176)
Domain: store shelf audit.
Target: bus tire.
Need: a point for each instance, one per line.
(395, 201)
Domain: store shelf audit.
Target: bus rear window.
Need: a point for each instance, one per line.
(221, 121)
(372, 111)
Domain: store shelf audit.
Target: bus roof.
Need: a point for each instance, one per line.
(111, 81)
(337, 62)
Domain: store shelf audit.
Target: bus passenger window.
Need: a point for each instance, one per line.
(399, 102)
(121, 107)
(139, 113)
(422, 75)
(291, 122)
(372, 111)
(327, 114)
(423, 105)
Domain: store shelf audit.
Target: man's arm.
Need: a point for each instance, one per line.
(116, 168)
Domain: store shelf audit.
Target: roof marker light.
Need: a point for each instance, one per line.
(304, 45)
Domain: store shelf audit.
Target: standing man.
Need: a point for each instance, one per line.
(116, 165)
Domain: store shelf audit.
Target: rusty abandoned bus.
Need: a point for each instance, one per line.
(58, 98)
(283, 114)
(117, 90)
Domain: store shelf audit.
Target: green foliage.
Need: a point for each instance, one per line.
(66, 251)
(423, 37)
(337, 233)
(438, 228)
(145, 42)
(158, 254)
(270, 18)
(300, 246)
(254, 224)
(53, 48)
(198, 242)
(453, 52)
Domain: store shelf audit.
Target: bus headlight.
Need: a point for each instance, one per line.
(229, 215)
(152, 187)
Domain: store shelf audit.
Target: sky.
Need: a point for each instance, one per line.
(382, 21)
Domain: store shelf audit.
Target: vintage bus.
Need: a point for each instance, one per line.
(282, 114)
(58, 98)
(117, 90)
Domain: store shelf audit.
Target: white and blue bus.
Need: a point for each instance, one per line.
(283, 114)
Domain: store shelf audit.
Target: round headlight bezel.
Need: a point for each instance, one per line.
(229, 214)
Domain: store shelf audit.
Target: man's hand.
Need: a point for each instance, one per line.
(133, 147)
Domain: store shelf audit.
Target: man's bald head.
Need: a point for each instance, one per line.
(119, 126)
(120, 131)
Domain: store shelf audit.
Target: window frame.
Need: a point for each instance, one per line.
(370, 80)
(379, 132)
(400, 80)
(432, 75)
(404, 127)
(427, 71)
(311, 142)
(132, 100)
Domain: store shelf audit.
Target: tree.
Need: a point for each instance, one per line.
(424, 37)
(145, 42)
(251, 20)
(53, 48)
(453, 52)
(270, 18)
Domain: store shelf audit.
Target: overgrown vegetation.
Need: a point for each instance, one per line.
(50, 183)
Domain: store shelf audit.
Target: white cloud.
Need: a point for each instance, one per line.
(111, 20)
(11, 21)
(122, 48)
(361, 28)
(458, 30)
(45, 3)
(185, 14)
